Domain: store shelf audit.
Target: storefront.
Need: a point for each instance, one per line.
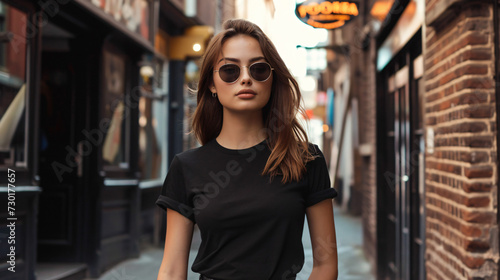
(72, 102)
(431, 212)
(376, 69)
(19, 187)
(400, 192)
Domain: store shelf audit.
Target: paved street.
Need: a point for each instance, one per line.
(352, 263)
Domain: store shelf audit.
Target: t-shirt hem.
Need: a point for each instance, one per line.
(165, 202)
(320, 196)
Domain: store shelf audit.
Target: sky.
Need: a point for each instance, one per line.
(288, 31)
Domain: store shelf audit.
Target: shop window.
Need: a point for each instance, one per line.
(152, 120)
(116, 112)
(13, 52)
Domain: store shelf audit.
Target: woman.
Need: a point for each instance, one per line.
(255, 177)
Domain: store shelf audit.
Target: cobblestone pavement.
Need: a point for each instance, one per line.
(352, 262)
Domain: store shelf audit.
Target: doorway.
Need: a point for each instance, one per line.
(62, 118)
(400, 186)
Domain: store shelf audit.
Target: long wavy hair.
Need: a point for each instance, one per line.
(287, 139)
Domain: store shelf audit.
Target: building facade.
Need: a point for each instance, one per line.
(88, 94)
(415, 82)
(461, 117)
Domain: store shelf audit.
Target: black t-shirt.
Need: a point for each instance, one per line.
(251, 227)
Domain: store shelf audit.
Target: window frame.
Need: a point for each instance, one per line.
(26, 172)
(160, 95)
(124, 165)
(27, 104)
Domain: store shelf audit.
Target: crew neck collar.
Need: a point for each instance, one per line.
(223, 149)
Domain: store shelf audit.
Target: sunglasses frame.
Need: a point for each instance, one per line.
(249, 72)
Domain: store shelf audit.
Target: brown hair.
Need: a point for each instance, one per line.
(286, 137)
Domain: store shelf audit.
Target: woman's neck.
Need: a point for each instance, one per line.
(241, 130)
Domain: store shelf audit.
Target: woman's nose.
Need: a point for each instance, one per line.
(245, 75)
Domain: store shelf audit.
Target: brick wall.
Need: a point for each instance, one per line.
(367, 127)
(462, 234)
(352, 33)
(363, 88)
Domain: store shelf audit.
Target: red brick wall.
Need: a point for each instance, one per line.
(462, 236)
(16, 51)
(367, 128)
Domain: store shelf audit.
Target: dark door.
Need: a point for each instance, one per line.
(400, 184)
(386, 180)
(402, 174)
(62, 121)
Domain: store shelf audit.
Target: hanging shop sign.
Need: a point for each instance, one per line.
(134, 14)
(327, 14)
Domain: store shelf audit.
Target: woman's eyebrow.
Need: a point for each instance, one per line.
(237, 60)
(257, 58)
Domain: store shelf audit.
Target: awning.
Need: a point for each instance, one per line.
(108, 19)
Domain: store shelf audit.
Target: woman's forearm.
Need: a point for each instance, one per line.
(170, 276)
(324, 272)
(171, 273)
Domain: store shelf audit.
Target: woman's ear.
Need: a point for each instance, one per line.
(212, 88)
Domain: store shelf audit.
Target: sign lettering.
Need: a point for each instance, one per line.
(327, 14)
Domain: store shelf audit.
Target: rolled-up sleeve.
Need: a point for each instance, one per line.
(174, 193)
(319, 185)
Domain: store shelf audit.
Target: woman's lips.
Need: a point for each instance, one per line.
(245, 94)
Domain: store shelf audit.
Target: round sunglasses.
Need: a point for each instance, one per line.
(259, 71)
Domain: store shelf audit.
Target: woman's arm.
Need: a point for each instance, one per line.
(323, 240)
(177, 244)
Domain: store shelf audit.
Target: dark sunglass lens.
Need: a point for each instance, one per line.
(229, 73)
(260, 71)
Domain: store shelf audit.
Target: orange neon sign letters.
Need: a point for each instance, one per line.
(327, 14)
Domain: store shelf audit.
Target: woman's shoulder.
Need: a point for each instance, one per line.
(194, 154)
(189, 154)
(314, 150)
(317, 161)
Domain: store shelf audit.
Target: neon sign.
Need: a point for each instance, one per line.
(327, 14)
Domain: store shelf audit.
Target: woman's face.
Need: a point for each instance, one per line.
(246, 93)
